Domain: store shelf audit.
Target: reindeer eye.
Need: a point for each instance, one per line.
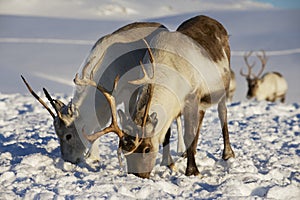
(147, 150)
(68, 137)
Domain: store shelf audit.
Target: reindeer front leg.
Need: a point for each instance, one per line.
(222, 110)
(192, 122)
(167, 158)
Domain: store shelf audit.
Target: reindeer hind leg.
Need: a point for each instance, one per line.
(222, 110)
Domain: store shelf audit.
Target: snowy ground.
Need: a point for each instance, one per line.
(48, 43)
(265, 138)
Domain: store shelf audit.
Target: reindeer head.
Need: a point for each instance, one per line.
(71, 147)
(252, 79)
(142, 155)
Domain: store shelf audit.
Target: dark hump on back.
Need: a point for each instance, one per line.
(209, 33)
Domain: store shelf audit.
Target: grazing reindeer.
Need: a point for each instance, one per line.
(184, 80)
(271, 86)
(71, 146)
(232, 86)
(68, 117)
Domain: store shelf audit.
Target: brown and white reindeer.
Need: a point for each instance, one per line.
(190, 72)
(112, 55)
(271, 86)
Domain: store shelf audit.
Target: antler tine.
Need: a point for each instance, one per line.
(84, 81)
(37, 97)
(113, 127)
(263, 59)
(48, 96)
(146, 79)
(249, 66)
(151, 55)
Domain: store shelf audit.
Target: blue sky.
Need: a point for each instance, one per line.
(290, 4)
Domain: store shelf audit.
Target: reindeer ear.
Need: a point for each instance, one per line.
(153, 119)
(151, 123)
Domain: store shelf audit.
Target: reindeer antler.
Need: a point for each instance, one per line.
(113, 127)
(263, 59)
(146, 80)
(249, 66)
(84, 81)
(38, 98)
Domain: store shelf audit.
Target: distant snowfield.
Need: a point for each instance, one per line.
(47, 44)
(47, 50)
(265, 138)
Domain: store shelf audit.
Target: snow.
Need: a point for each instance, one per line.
(265, 138)
(48, 43)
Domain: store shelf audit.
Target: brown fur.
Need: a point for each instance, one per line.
(209, 33)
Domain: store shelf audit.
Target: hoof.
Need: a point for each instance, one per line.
(192, 172)
(228, 154)
(184, 155)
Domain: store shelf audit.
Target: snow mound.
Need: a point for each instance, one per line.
(265, 137)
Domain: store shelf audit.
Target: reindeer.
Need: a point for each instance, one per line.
(270, 87)
(67, 117)
(184, 81)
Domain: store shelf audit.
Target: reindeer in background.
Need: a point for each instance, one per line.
(270, 87)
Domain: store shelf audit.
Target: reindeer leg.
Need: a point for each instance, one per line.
(222, 110)
(167, 159)
(282, 100)
(180, 146)
(191, 151)
(192, 123)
